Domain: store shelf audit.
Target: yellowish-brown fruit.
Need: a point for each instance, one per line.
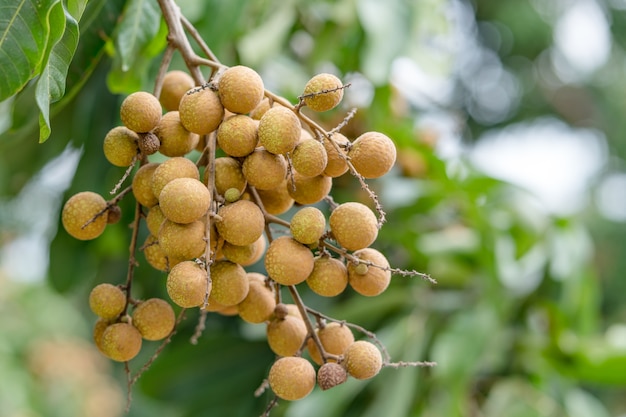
(141, 112)
(107, 301)
(309, 158)
(375, 280)
(287, 261)
(177, 167)
(240, 89)
(292, 378)
(336, 165)
(330, 375)
(260, 302)
(240, 223)
(260, 109)
(200, 111)
(276, 201)
(121, 342)
(335, 338)
(175, 139)
(156, 256)
(285, 336)
(363, 360)
(175, 84)
(353, 225)
(323, 92)
(264, 170)
(309, 190)
(329, 277)
(230, 283)
(142, 185)
(154, 219)
(120, 146)
(98, 330)
(187, 284)
(372, 154)
(80, 209)
(237, 135)
(308, 225)
(114, 214)
(182, 241)
(245, 255)
(154, 318)
(228, 175)
(184, 200)
(279, 130)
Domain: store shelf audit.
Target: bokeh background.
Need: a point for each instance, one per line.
(509, 190)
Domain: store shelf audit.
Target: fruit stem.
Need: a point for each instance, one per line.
(132, 262)
(295, 295)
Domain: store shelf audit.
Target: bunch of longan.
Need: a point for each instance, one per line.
(260, 158)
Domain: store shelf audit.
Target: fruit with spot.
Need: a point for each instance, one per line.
(141, 112)
(82, 208)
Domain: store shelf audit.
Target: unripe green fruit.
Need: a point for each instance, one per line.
(107, 301)
(187, 284)
(259, 304)
(335, 338)
(287, 261)
(375, 280)
(120, 146)
(240, 223)
(200, 111)
(237, 135)
(141, 112)
(154, 318)
(309, 158)
(309, 190)
(121, 342)
(173, 168)
(231, 195)
(292, 378)
(142, 185)
(308, 225)
(276, 201)
(240, 89)
(353, 225)
(182, 241)
(285, 336)
(329, 277)
(228, 175)
(264, 170)
(363, 360)
(174, 139)
(336, 165)
(80, 209)
(175, 84)
(279, 130)
(372, 154)
(321, 101)
(184, 200)
(230, 283)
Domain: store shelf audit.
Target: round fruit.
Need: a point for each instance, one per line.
(330, 375)
(353, 225)
(120, 146)
(154, 318)
(174, 138)
(184, 200)
(276, 201)
(264, 170)
(177, 167)
(182, 241)
(230, 283)
(309, 190)
(240, 223)
(323, 92)
(372, 154)
(245, 255)
(237, 135)
(228, 175)
(175, 84)
(292, 378)
(114, 214)
(363, 360)
(335, 338)
(309, 158)
(142, 185)
(336, 165)
(240, 89)
(285, 336)
(154, 219)
(259, 304)
(82, 208)
(260, 109)
(200, 111)
(187, 284)
(107, 301)
(308, 225)
(329, 277)
(98, 330)
(287, 261)
(375, 280)
(156, 256)
(121, 342)
(279, 130)
(141, 112)
(231, 195)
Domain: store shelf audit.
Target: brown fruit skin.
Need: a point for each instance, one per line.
(175, 139)
(175, 84)
(307, 225)
(156, 256)
(141, 112)
(279, 130)
(228, 175)
(142, 185)
(187, 284)
(325, 101)
(182, 241)
(329, 277)
(264, 170)
(120, 146)
(354, 225)
(98, 330)
(335, 337)
(154, 318)
(80, 209)
(287, 261)
(309, 158)
(372, 154)
(154, 220)
(336, 165)
(292, 378)
(121, 342)
(240, 89)
(237, 135)
(259, 304)
(184, 200)
(285, 336)
(309, 190)
(363, 360)
(200, 111)
(107, 301)
(260, 109)
(330, 375)
(230, 283)
(375, 280)
(278, 200)
(177, 167)
(241, 223)
(245, 255)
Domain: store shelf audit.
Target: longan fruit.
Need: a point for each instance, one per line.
(228, 174)
(260, 109)
(363, 360)
(230, 283)
(187, 284)
(375, 280)
(142, 185)
(240, 89)
(279, 130)
(107, 301)
(287, 261)
(156, 256)
(309, 190)
(154, 219)
(308, 225)
(177, 167)
(154, 318)
(336, 165)
(329, 277)
(330, 375)
(372, 154)
(240, 223)
(245, 255)
(81, 208)
(120, 146)
(264, 170)
(323, 101)
(309, 158)
(141, 112)
(276, 201)
(237, 135)
(200, 111)
(259, 304)
(121, 342)
(286, 335)
(335, 338)
(292, 378)
(182, 241)
(174, 138)
(184, 200)
(98, 330)
(354, 225)
(175, 84)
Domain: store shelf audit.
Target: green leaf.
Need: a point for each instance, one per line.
(25, 32)
(137, 29)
